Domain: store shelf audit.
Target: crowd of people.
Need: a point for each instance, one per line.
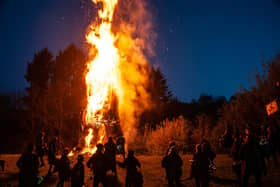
(102, 161)
(250, 150)
(203, 164)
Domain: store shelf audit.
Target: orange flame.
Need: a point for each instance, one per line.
(103, 75)
(89, 138)
(117, 66)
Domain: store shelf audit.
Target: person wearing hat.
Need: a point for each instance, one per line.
(64, 169)
(78, 173)
(97, 164)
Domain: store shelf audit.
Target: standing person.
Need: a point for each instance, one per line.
(78, 173)
(210, 153)
(97, 164)
(40, 147)
(272, 142)
(110, 155)
(235, 153)
(52, 149)
(173, 166)
(194, 169)
(64, 169)
(211, 156)
(133, 176)
(251, 157)
(120, 146)
(171, 145)
(263, 148)
(28, 165)
(202, 166)
(227, 137)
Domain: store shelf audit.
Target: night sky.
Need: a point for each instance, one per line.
(203, 46)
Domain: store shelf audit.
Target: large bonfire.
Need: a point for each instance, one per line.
(117, 69)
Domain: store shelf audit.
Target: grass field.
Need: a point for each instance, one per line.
(152, 172)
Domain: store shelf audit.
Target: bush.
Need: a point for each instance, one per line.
(158, 140)
(184, 132)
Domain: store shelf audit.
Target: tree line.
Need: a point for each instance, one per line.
(55, 99)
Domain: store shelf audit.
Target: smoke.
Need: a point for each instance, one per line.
(133, 26)
(134, 18)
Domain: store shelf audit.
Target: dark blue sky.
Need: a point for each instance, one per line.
(202, 46)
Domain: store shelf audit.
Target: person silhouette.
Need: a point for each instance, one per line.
(194, 169)
(110, 155)
(173, 166)
(52, 149)
(133, 178)
(64, 169)
(121, 146)
(251, 157)
(40, 147)
(28, 165)
(78, 173)
(97, 164)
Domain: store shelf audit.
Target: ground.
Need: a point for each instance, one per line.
(153, 173)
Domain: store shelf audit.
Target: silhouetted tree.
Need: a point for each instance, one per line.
(38, 75)
(248, 106)
(159, 91)
(55, 97)
(160, 96)
(67, 92)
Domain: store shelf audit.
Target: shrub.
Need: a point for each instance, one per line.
(184, 132)
(175, 130)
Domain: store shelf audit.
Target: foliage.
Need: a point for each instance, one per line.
(184, 132)
(158, 140)
(55, 97)
(248, 107)
(38, 76)
(160, 96)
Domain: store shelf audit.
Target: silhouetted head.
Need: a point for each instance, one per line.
(173, 151)
(130, 153)
(80, 158)
(237, 131)
(205, 148)
(99, 147)
(197, 148)
(30, 147)
(247, 129)
(246, 134)
(172, 143)
(268, 129)
(110, 139)
(65, 151)
(204, 141)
